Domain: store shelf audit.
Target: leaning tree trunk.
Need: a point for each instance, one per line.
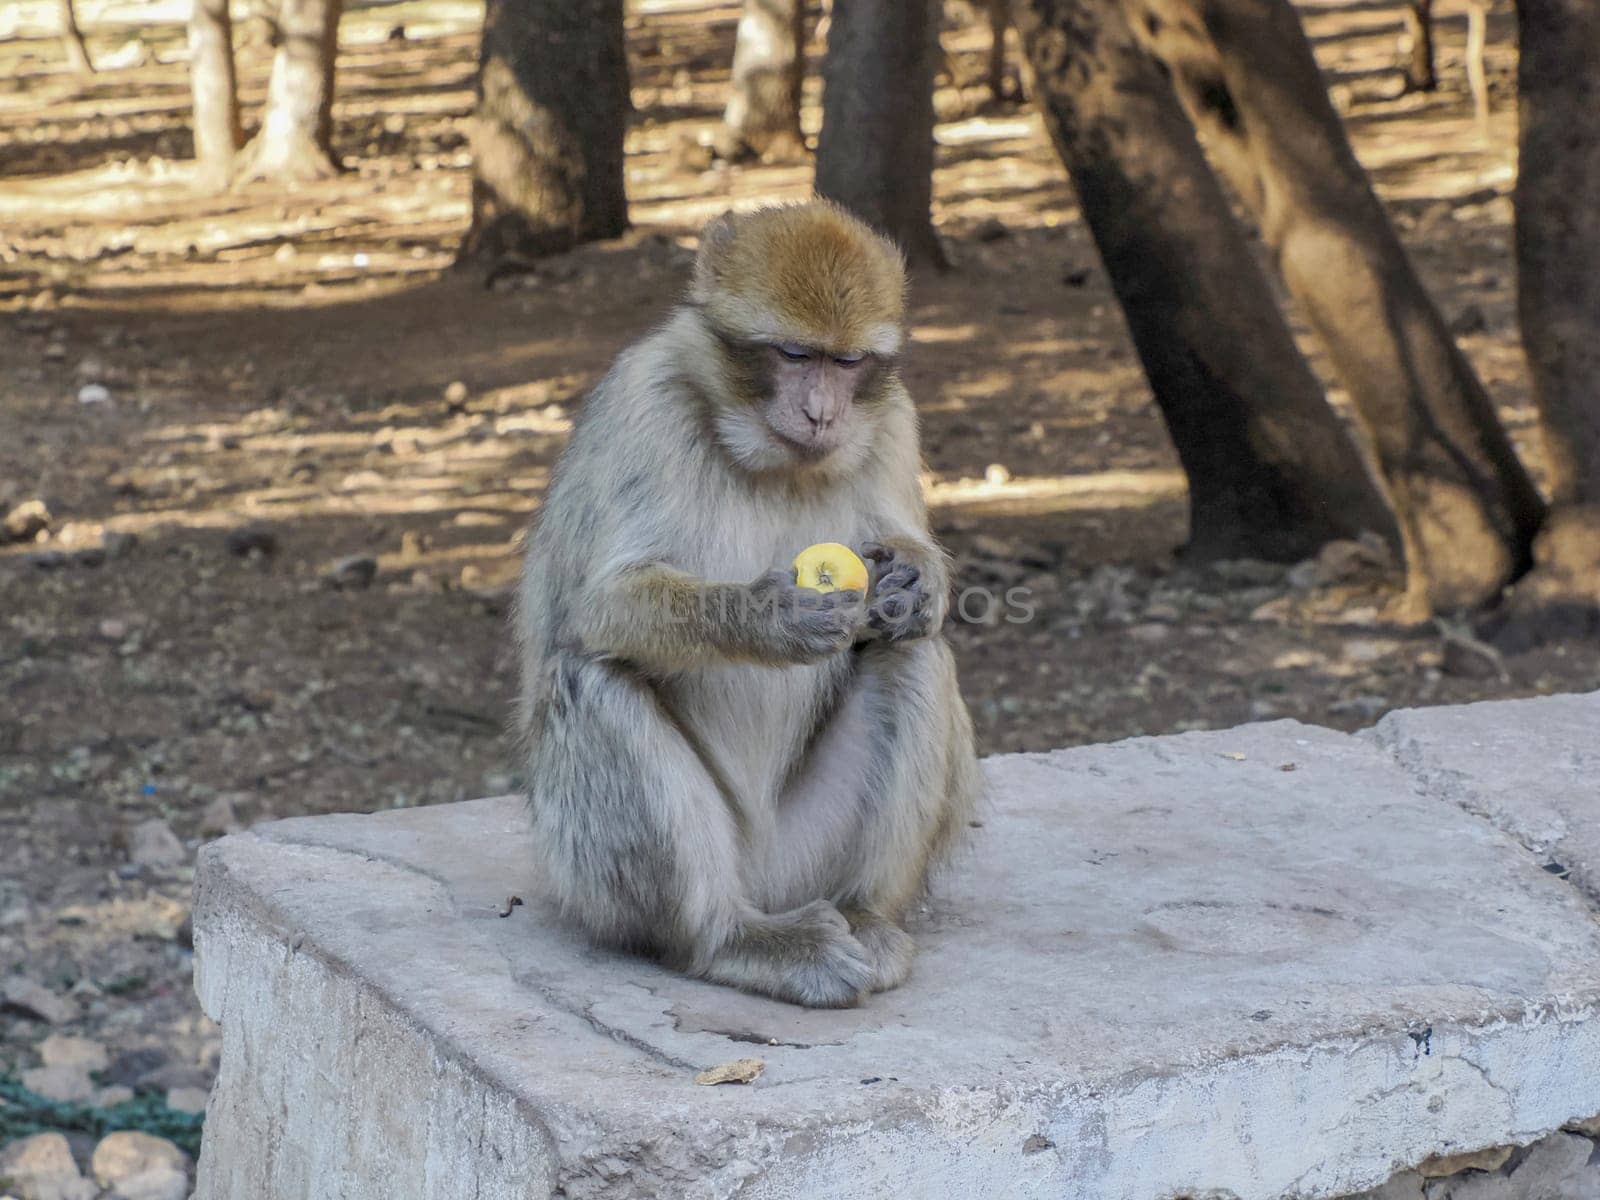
(1558, 300)
(296, 139)
(762, 119)
(1272, 472)
(72, 39)
(875, 152)
(1417, 17)
(1468, 510)
(548, 131)
(217, 136)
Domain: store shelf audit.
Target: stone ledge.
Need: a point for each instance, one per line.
(1532, 767)
(1254, 964)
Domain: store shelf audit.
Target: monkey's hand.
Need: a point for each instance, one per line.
(804, 625)
(907, 592)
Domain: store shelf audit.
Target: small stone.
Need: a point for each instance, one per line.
(62, 1050)
(65, 1085)
(41, 1167)
(187, 1099)
(246, 540)
(94, 393)
(996, 475)
(352, 573)
(1589, 1126)
(1441, 1165)
(991, 229)
(110, 1097)
(23, 995)
(153, 844)
(139, 1166)
(25, 522)
(112, 629)
(219, 818)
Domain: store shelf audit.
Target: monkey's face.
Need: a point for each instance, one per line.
(799, 407)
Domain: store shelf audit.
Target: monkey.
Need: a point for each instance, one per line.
(744, 779)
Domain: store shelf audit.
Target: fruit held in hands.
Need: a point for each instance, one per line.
(830, 567)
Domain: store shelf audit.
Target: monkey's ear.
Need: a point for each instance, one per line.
(715, 240)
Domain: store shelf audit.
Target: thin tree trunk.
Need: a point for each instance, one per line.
(1467, 508)
(1558, 300)
(875, 152)
(547, 139)
(1272, 472)
(1417, 16)
(72, 39)
(999, 19)
(217, 135)
(296, 138)
(762, 119)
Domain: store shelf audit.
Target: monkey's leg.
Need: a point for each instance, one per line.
(885, 789)
(640, 841)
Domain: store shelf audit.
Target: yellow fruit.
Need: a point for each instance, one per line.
(830, 567)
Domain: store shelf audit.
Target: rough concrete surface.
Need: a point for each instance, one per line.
(1253, 964)
(1532, 767)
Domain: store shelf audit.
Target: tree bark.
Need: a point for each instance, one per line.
(547, 140)
(217, 135)
(875, 152)
(762, 119)
(295, 143)
(72, 39)
(1272, 472)
(1467, 509)
(1417, 16)
(1558, 300)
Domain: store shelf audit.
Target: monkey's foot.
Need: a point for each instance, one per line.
(890, 948)
(805, 956)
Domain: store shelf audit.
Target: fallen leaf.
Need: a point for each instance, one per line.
(1234, 755)
(740, 1070)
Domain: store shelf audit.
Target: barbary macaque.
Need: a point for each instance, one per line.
(744, 778)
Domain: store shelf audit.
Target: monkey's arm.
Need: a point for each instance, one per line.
(663, 618)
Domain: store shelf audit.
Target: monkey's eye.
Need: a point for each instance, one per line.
(849, 360)
(793, 352)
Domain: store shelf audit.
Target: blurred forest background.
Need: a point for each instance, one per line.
(1219, 337)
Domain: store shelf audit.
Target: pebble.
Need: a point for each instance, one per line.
(25, 522)
(115, 1094)
(139, 1166)
(41, 1167)
(353, 573)
(63, 1050)
(455, 395)
(66, 1085)
(187, 1099)
(31, 999)
(94, 393)
(245, 540)
(219, 818)
(153, 844)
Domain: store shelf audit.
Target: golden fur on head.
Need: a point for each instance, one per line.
(808, 273)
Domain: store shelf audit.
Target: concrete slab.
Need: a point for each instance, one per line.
(1532, 767)
(1252, 964)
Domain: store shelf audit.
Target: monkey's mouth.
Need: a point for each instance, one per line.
(809, 450)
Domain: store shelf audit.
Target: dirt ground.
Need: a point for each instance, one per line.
(300, 376)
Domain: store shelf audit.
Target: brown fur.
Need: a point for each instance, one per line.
(810, 272)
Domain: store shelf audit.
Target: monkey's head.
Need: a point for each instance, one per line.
(807, 304)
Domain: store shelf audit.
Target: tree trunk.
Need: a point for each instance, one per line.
(72, 39)
(547, 138)
(1558, 300)
(1467, 508)
(1272, 472)
(999, 19)
(217, 136)
(1417, 17)
(762, 119)
(296, 139)
(875, 152)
